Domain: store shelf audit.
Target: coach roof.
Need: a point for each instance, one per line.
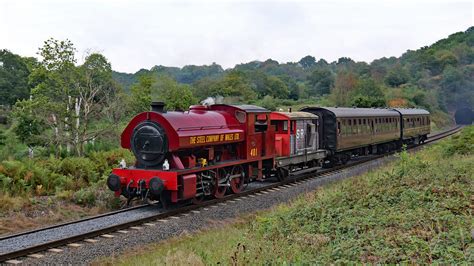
(412, 111)
(357, 112)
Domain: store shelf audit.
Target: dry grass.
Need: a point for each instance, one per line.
(20, 214)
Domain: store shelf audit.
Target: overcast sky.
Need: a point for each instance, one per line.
(141, 34)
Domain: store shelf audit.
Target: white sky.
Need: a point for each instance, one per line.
(141, 34)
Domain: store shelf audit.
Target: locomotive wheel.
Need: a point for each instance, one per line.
(219, 190)
(237, 183)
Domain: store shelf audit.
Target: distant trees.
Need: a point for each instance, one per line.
(321, 81)
(150, 88)
(344, 84)
(307, 61)
(367, 94)
(396, 76)
(176, 96)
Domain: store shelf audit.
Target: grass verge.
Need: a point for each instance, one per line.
(417, 210)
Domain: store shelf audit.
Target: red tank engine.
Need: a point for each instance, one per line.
(208, 150)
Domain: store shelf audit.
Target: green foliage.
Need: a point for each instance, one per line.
(28, 127)
(363, 101)
(269, 103)
(462, 144)
(321, 81)
(367, 94)
(85, 197)
(57, 55)
(3, 138)
(14, 74)
(307, 61)
(140, 99)
(176, 96)
(48, 176)
(397, 76)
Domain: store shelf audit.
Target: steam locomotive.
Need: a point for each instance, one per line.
(212, 150)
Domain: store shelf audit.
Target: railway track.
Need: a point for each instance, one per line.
(112, 222)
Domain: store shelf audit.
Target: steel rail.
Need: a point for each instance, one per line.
(163, 215)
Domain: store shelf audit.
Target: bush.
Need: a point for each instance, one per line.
(83, 170)
(105, 161)
(85, 197)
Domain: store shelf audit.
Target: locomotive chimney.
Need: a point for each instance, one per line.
(158, 107)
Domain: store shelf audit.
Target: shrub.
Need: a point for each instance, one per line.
(85, 197)
(105, 161)
(83, 170)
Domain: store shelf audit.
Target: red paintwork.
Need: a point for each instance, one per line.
(216, 123)
(181, 126)
(282, 138)
(189, 186)
(169, 178)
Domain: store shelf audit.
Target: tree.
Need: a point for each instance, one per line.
(276, 88)
(176, 96)
(396, 76)
(28, 127)
(320, 81)
(367, 94)
(14, 74)
(57, 55)
(69, 100)
(140, 98)
(95, 97)
(269, 103)
(307, 61)
(344, 84)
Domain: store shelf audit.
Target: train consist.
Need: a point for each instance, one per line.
(212, 150)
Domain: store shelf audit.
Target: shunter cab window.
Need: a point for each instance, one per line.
(261, 123)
